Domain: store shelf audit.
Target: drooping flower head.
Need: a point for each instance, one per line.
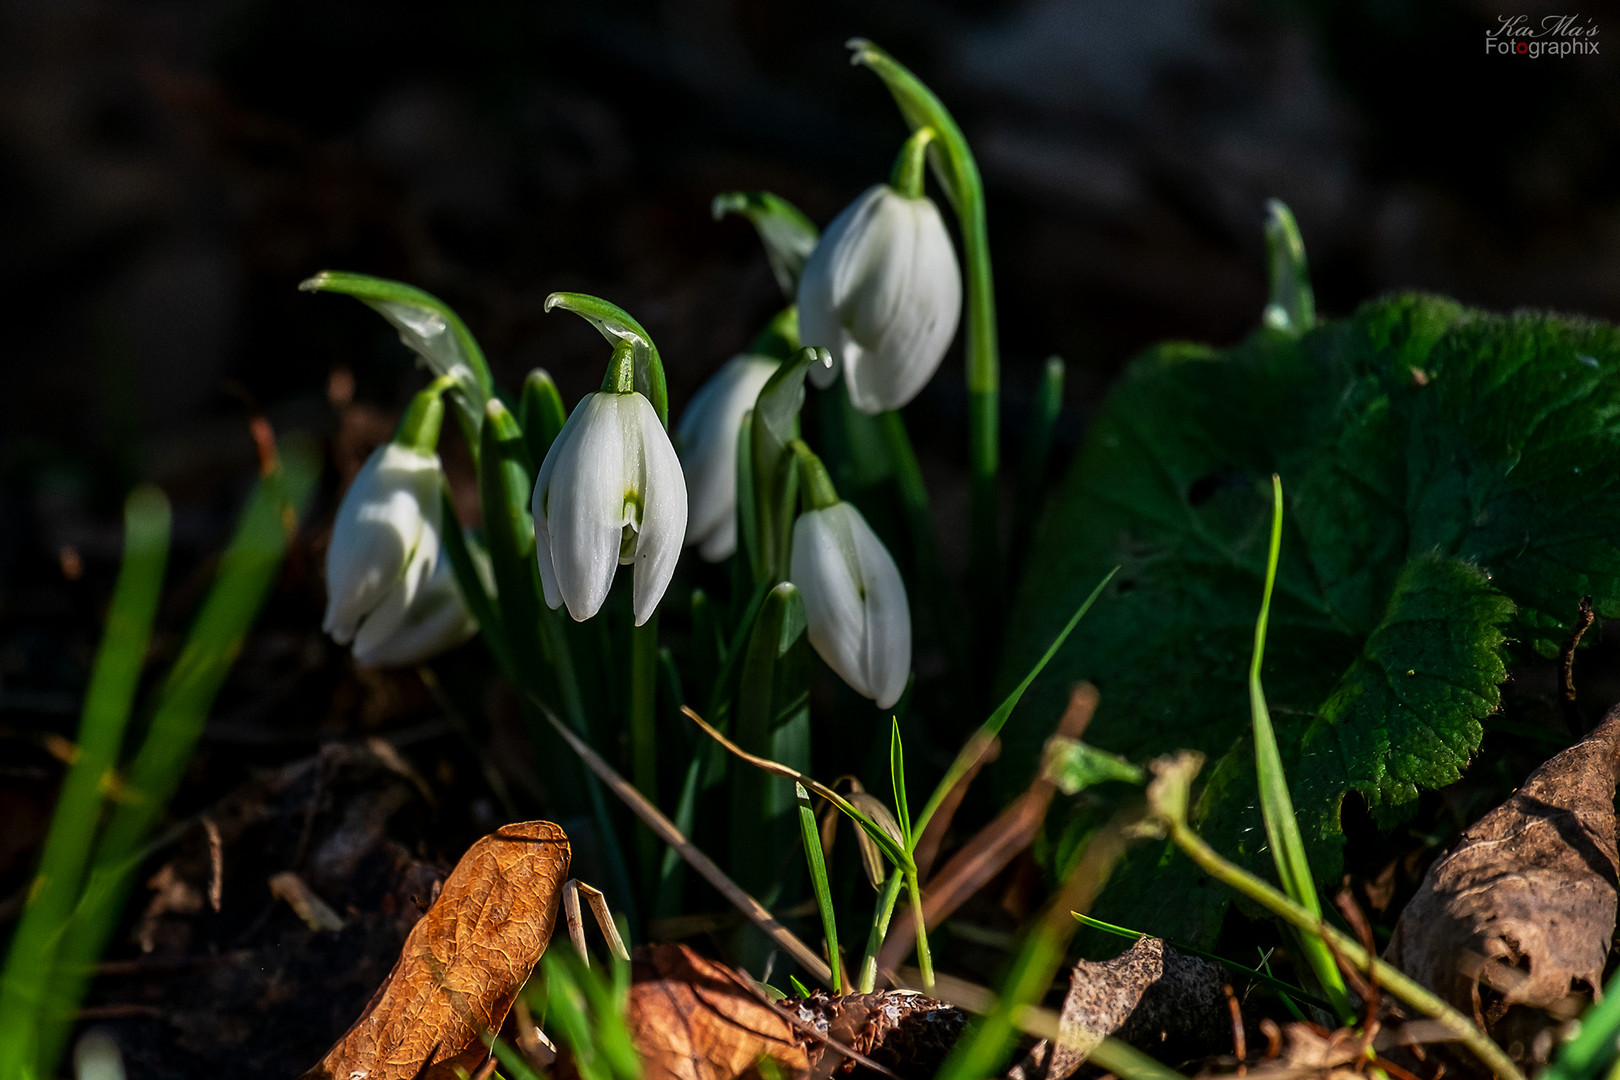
(385, 540)
(855, 605)
(435, 620)
(883, 292)
(610, 492)
(706, 439)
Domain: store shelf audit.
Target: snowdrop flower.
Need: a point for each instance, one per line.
(609, 494)
(706, 440)
(854, 601)
(385, 540)
(434, 621)
(883, 292)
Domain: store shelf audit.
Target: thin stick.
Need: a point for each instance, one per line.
(666, 830)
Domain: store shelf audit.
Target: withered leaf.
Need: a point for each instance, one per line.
(693, 1019)
(1150, 996)
(463, 963)
(1522, 910)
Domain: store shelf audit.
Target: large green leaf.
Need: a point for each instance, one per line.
(1450, 480)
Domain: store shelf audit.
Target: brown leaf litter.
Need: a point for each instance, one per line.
(463, 963)
(1514, 924)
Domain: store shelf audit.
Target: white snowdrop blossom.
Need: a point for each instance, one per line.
(384, 545)
(609, 494)
(706, 439)
(883, 292)
(435, 621)
(854, 601)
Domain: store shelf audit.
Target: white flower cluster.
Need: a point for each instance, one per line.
(881, 291)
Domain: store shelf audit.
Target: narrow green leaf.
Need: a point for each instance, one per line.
(1276, 805)
(1593, 1050)
(773, 721)
(428, 327)
(774, 426)
(541, 414)
(897, 777)
(810, 833)
(246, 573)
(992, 726)
(478, 592)
(799, 988)
(107, 704)
(505, 488)
(789, 237)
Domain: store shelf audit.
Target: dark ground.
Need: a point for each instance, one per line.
(170, 171)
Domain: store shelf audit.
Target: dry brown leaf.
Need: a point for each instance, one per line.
(1522, 910)
(1150, 996)
(463, 963)
(694, 1019)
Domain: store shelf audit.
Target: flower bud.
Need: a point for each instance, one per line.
(384, 544)
(854, 601)
(610, 493)
(436, 620)
(883, 292)
(707, 442)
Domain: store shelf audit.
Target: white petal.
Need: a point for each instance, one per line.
(662, 488)
(907, 315)
(584, 486)
(821, 570)
(391, 506)
(887, 662)
(835, 267)
(435, 622)
(707, 442)
(855, 601)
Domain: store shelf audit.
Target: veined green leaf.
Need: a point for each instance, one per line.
(1450, 480)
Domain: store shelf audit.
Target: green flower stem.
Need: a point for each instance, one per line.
(616, 325)
(424, 417)
(815, 485)
(644, 731)
(941, 599)
(910, 166)
(958, 173)
(925, 959)
(1389, 977)
(866, 981)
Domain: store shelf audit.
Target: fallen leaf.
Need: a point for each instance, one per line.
(694, 1019)
(904, 1031)
(463, 963)
(1150, 996)
(1522, 910)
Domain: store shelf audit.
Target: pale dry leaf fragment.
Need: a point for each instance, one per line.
(306, 904)
(463, 963)
(1522, 910)
(1150, 996)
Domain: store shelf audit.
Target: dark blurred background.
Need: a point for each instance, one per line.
(169, 171)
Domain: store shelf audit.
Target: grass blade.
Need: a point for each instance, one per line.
(897, 776)
(246, 572)
(107, 705)
(817, 860)
(1276, 805)
(979, 744)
